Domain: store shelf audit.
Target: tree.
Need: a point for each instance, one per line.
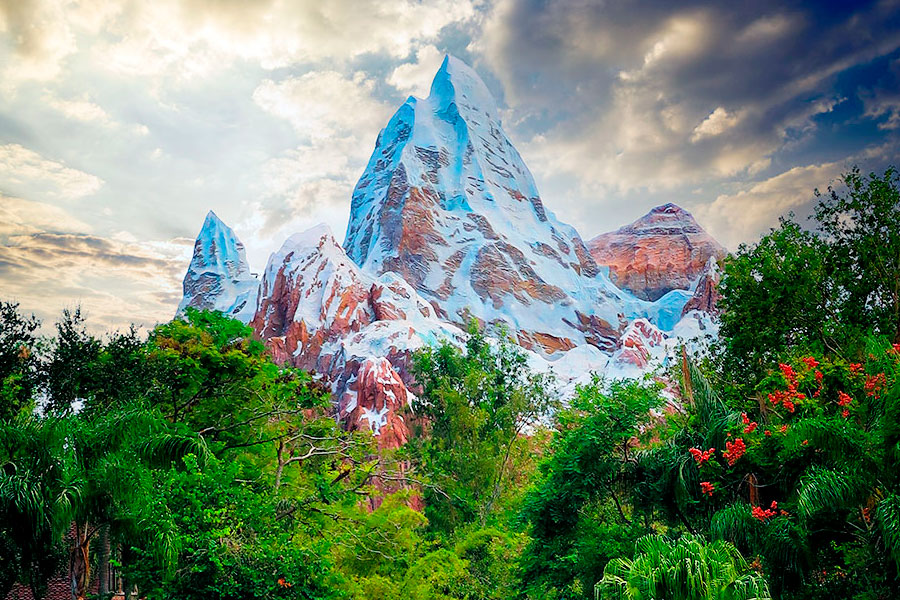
(19, 362)
(860, 222)
(584, 480)
(688, 568)
(476, 406)
(776, 295)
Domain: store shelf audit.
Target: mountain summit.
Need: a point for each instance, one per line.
(219, 277)
(447, 226)
(664, 250)
(447, 203)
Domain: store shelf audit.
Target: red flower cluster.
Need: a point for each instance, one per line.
(734, 451)
(844, 399)
(701, 456)
(783, 428)
(845, 413)
(707, 488)
(787, 397)
(874, 384)
(764, 514)
(819, 377)
(788, 372)
(810, 362)
(895, 348)
(284, 583)
(750, 425)
(856, 368)
(768, 433)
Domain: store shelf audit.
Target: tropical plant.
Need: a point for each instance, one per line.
(688, 568)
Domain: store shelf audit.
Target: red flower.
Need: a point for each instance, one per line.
(874, 384)
(819, 377)
(768, 433)
(845, 413)
(750, 425)
(810, 362)
(856, 368)
(804, 443)
(844, 399)
(734, 451)
(764, 514)
(707, 488)
(701, 456)
(788, 372)
(783, 428)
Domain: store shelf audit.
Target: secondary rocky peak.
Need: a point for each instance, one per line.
(664, 250)
(219, 277)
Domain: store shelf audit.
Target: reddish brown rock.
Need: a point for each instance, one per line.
(639, 343)
(706, 294)
(375, 400)
(662, 251)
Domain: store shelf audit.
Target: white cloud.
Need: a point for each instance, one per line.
(20, 166)
(321, 104)
(415, 78)
(19, 216)
(744, 215)
(195, 37)
(716, 123)
(80, 110)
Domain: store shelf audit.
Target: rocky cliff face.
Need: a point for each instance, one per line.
(664, 250)
(706, 290)
(219, 277)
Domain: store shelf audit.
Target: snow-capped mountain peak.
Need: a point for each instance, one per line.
(219, 277)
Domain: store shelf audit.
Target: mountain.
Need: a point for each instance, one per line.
(319, 311)
(446, 226)
(447, 203)
(664, 250)
(219, 277)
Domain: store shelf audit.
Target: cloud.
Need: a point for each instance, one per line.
(192, 38)
(415, 78)
(653, 95)
(719, 121)
(115, 282)
(320, 104)
(80, 110)
(20, 166)
(742, 216)
(19, 216)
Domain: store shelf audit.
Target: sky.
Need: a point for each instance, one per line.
(123, 123)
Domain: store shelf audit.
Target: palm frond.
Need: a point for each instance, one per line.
(830, 490)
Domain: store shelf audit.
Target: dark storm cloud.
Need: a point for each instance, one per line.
(691, 101)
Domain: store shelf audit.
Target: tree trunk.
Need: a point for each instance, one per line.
(103, 566)
(80, 562)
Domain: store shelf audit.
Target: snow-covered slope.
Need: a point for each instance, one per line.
(219, 277)
(447, 202)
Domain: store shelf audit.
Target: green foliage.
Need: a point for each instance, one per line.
(19, 366)
(232, 541)
(687, 569)
(585, 473)
(776, 294)
(477, 405)
(859, 220)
